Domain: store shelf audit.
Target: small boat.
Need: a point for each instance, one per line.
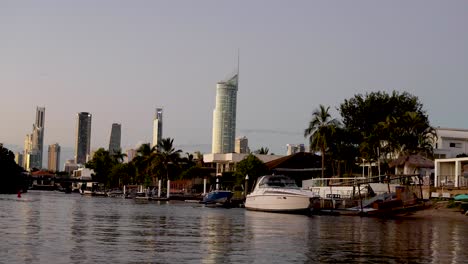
(92, 189)
(221, 197)
(278, 193)
(143, 194)
(115, 193)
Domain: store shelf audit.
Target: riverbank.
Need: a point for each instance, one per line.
(439, 210)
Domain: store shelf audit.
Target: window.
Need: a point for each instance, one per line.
(455, 145)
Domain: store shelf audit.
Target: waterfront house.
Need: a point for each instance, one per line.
(227, 162)
(451, 173)
(42, 180)
(450, 142)
(299, 166)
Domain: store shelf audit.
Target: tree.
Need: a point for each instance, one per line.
(168, 154)
(144, 162)
(11, 173)
(118, 156)
(321, 129)
(252, 166)
(342, 151)
(384, 124)
(122, 174)
(102, 163)
(262, 151)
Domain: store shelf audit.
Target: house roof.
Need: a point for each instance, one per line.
(412, 160)
(300, 160)
(41, 173)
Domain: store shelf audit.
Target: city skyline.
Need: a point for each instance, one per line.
(128, 58)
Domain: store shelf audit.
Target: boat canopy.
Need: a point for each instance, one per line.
(277, 181)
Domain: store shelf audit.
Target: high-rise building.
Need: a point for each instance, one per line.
(54, 157)
(131, 154)
(27, 151)
(242, 145)
(19, 158)
(224, 116)
(157, 126)
(115, 137)
(83, 137)
(34, 142)
(70, 166)
(295, 148)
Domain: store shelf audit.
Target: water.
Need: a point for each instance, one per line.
(52, 227)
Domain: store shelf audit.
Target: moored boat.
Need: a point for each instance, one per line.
(278, 193)
(222, 197)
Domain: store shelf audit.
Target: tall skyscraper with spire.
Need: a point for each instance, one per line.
(224, 116)
(157, 126)
(83, 137)
(115, 137)
(34, 143)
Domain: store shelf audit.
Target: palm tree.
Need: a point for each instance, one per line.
(417, 135)
(321, 129)
(168, 154)
(118, 156)
(144, 160)
(262, 151)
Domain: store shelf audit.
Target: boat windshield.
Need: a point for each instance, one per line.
(278, 182)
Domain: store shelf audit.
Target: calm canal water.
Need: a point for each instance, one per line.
(52, 227)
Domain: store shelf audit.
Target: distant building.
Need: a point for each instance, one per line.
(27, 151)
(70, 166)
(34, 142)
(83, 137)
(83, 174)
(241, 145)
(224, 116)
(295, 148)
(115, 137)
(54, 157)
(19, 158)
(131, 154)
(157, 126)
(227, 162)
(450, 142)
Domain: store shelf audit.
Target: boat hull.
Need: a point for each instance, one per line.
(217, 197)
(277, 203)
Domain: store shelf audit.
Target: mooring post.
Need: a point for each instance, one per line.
(168, 188)
(246, 185)
(159, 188)
(204, 186)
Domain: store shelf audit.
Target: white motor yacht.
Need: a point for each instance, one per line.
(278, 193)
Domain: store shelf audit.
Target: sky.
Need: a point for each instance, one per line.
(119, 60)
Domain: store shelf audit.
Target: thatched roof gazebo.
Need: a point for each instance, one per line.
(411, 164)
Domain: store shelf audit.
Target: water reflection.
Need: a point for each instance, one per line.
(48, 227)
(79, 232)
(216, 236)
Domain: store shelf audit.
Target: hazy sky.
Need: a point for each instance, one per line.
(119, 60)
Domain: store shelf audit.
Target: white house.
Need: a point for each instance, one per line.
(450, 142)
(451, 172)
